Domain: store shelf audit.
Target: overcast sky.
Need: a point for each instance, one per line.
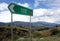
(43, 10)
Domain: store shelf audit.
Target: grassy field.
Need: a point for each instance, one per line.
(22, 34)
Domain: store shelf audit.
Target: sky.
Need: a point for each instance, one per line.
(43, 10)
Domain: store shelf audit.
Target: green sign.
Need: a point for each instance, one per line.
(17, 9)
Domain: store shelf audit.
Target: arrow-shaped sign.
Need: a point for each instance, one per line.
(11, 8)
(17, 9)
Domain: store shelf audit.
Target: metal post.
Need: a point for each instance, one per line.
(11, 27)
(30, 30)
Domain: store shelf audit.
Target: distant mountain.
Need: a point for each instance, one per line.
(34, 25)
(18, 23)
(46, 24)
(2, 24)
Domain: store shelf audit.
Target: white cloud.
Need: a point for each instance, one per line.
(48, 3)
(6, 17)
(3, 6)
(37, 2)
(20, 18)
(53, 4)
(25, 4)
(47, 15)
(55, 15)
(39, 12)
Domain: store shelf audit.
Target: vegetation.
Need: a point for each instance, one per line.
(22, 34)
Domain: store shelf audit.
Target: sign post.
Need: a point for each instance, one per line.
(11, 27)
(17, 9)
(30, 30)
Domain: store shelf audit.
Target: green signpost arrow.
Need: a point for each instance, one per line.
(17, 9)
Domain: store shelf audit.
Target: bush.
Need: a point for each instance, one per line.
(36, 34)
(54, 31)
(45, 33)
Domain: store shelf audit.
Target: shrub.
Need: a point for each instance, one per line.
(54, 31)
(36, 34)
